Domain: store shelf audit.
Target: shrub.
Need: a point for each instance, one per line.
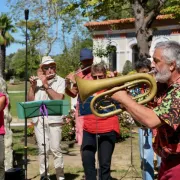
(30, 130)
(125, 121)
(68, 129)
(127, 67)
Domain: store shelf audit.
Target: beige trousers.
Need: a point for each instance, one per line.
(52, 140)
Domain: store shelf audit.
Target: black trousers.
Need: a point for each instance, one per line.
(106, 143)
(2, 157)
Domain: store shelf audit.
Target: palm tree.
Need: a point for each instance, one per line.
(5, 39)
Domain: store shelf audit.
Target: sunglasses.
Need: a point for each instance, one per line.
(49, 67)
(98, 77)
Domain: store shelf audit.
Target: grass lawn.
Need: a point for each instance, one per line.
(17, 87)
(18, 142)
(73, 164)
(14, 99)
(121, 160)
(19, 97)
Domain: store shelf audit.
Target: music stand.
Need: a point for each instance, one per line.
(131, 167)
(40, 108)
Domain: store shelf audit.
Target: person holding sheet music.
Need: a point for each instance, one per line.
(48, 86)
(99, 135)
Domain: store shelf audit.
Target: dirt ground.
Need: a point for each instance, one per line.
(124, 166)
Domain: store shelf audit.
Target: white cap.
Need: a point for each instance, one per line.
(47, 60)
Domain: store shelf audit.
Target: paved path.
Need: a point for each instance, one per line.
(19, 122)
(16, 92)
(121, 161)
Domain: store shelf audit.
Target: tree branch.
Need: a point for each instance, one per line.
(154, 12)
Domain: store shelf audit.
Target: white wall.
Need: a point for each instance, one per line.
(124, 47)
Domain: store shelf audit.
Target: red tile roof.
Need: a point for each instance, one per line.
(124, 21)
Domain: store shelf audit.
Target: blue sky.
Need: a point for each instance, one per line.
(13, 47)
(56, 48)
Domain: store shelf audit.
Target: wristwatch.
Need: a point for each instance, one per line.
(48, 88)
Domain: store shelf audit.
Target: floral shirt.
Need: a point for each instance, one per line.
(167, 137)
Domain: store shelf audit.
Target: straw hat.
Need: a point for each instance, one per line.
(47, 60)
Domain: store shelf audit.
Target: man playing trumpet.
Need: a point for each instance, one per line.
(166, 115)
(48, 86)
(86, 59)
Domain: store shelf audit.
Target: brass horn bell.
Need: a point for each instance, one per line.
(89, 87)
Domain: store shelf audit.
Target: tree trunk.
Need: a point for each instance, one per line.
(144, 39)
(2, 60)
(142, 33)
(143, 24)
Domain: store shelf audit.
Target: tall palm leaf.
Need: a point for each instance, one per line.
(6, 39)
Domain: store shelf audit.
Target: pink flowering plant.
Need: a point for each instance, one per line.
(68, 129)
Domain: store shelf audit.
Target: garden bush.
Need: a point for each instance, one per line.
(30, 130)
(125, 121)
(69, 132)
(68, 129)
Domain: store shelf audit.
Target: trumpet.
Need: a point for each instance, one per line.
(82, 70)
(68, 81)
(88, 87)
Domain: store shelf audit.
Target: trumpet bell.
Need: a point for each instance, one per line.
(89, 87)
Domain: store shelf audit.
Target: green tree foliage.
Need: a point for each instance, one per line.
(102, 52)
(127, 67)
(6, 27)
(17, 64)
(100, 9)
(144, 12)
(69, 60)
(35, 36)
(45, 12)
(172, 7)
(53, 24)
(9, 72)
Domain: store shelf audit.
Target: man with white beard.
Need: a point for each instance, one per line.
(166, 114)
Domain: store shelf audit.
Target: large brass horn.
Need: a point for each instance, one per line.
(88, 87)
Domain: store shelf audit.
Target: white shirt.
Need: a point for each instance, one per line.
(58, 85)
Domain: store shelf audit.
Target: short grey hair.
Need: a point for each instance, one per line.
(170, 52)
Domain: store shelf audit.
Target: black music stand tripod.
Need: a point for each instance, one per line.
(43, 110)
(131, 167)
(40, 108)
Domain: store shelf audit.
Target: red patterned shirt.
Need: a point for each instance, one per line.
(167, 137)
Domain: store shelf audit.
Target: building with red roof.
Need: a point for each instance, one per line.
(120, 35)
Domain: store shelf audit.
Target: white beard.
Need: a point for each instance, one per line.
(163, 76)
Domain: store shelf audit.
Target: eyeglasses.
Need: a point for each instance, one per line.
(98, 77)
(47, 67)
